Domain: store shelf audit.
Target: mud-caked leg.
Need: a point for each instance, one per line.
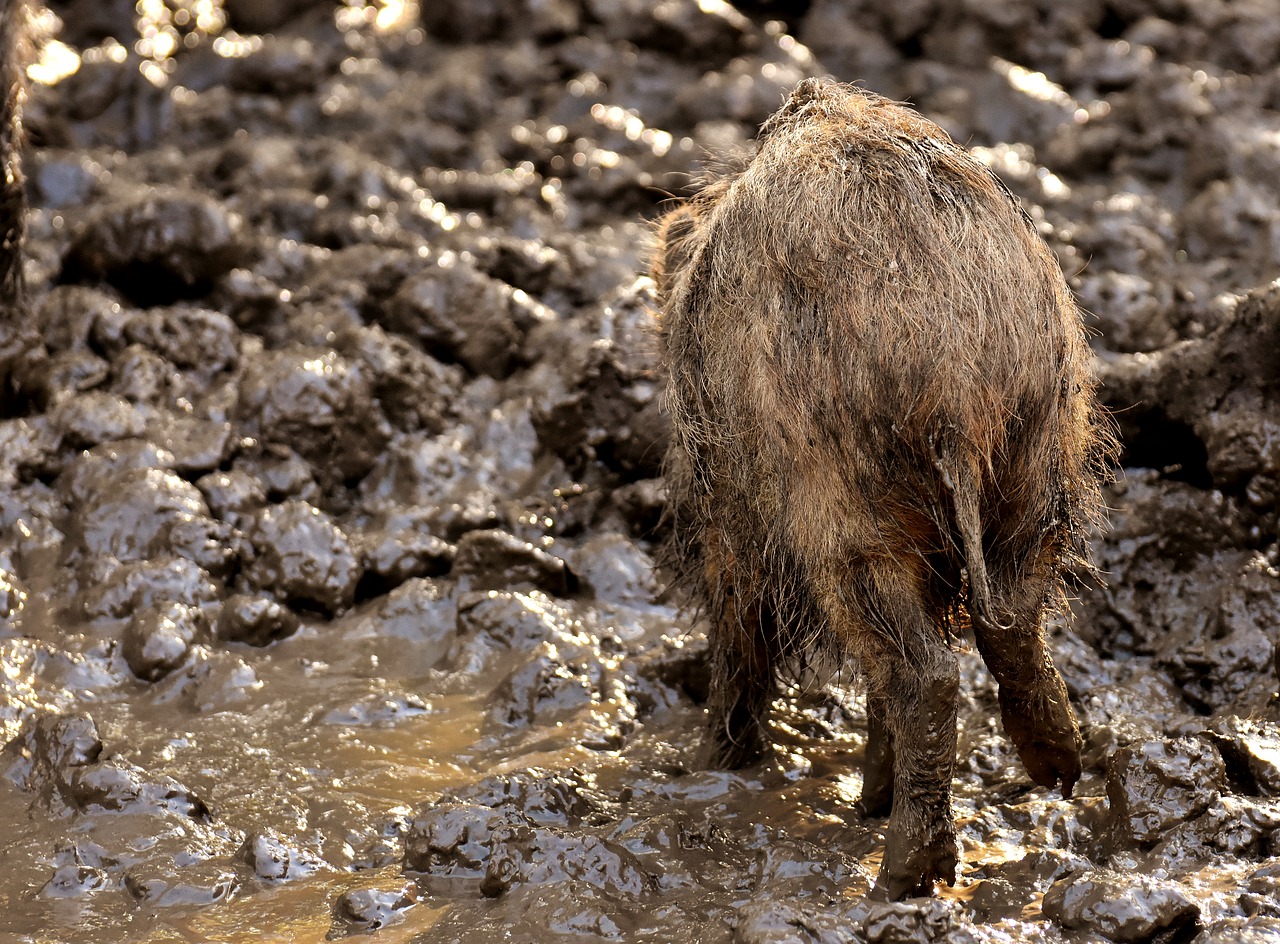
(742, 666)
(914, 676)
(1038, 717)
(877, 762)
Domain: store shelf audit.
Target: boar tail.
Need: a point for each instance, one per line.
(968, 525)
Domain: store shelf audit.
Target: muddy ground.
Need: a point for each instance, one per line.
(327, 532)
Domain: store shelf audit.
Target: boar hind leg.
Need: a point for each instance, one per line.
(914, 680)
(742, 666)
(877, 763)
(1006, 606)
(1037, 715)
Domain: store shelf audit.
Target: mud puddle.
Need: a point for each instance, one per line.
(329, 512)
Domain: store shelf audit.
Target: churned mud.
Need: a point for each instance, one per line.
(327, 601)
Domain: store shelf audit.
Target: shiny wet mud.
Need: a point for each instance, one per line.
(326, 533)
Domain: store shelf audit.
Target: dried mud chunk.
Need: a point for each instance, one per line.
(452, 838)
(413, 388)
(490, 624)
(1154, 786)
(117, 786)
(158, 639)
(87, 419)
(143, 583)
(68, 314)
(319, 404)
(71, 372)
(907, 922)
(93, 472)
(142, 376)
(497, 560)
(1261, 895)
(403, 548)
(532, 855)
(551, 687)
(545, 797)
(462, 315)
(132, 512)
(362, 910)
(302, 557)
(1216, 397)
(232, 494)
(185, 335)
(256, 620)
(1239, 826)
(617, 570)
(772, 921)
(213, 545)
(49, 749)
(1125, 908)
(163, 245)
(211, 680)
(606, 413)
(1185, 589)
(272, 859)
(197, 445)
(281, 472)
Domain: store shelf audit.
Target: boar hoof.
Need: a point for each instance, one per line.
(911, 869)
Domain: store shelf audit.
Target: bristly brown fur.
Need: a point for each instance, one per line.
(21, 350)
(13, 32)
(884, 426)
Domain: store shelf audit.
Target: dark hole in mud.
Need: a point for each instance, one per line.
(1154, 441)
(147, 286)
(373, 585)
(1242, 780)
(1113, 24)
(790, 12)
(911, 47)
(14, 404)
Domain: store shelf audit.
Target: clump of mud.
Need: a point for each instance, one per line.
(327, 599)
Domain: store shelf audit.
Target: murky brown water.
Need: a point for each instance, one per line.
(326, 566)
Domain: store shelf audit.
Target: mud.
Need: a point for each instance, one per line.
(327, 599)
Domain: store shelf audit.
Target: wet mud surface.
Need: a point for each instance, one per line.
(327, 601)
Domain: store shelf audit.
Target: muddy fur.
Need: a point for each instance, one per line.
(20, 348)
(884, 429)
